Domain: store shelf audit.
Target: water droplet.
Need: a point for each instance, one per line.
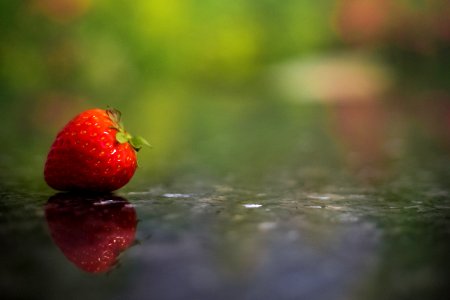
(108, 201)
(252, 205)
(335, 207)
(319, 197)
(170, 195)
(138, 193)
(325, 196)
(314, 206)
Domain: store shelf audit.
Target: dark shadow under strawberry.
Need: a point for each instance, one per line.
(91, 230)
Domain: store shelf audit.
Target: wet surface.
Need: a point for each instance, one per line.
(301, 220)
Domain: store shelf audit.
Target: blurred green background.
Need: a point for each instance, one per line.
(226, 87)
(334, 115)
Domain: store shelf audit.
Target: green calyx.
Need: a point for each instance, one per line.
(122, 136)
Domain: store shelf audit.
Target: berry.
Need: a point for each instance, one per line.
(91, 232)
(93, 152)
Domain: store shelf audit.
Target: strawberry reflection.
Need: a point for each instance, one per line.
(91, 231)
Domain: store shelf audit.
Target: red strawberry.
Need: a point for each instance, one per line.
(93, 152)
(91, 232)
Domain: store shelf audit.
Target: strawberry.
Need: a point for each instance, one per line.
(93, 152)
(91, 232)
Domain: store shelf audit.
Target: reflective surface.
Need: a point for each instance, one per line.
(344, 201)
